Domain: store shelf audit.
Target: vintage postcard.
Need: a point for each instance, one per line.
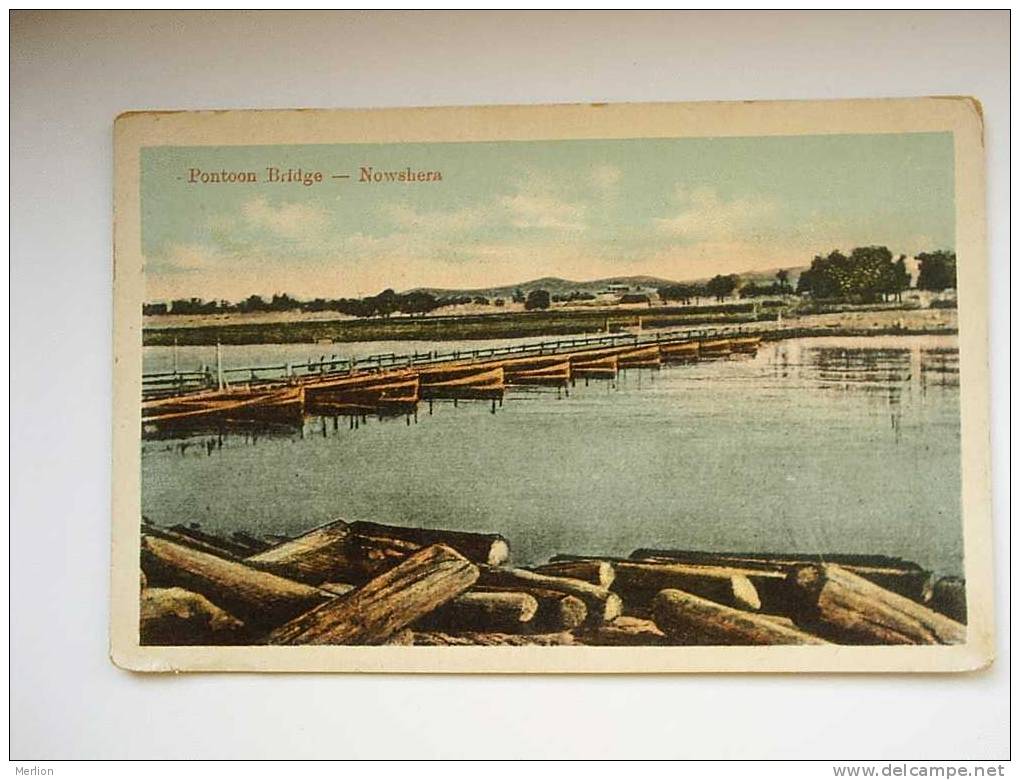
(580, 388)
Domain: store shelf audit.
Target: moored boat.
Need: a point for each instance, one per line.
(641, 357)
(679, 351)
(714, 347)
(555, 375)
(387, 395)
(601, 368)
(480, 384)
(278, 407)
(745, 344)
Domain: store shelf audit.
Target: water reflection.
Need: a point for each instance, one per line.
(887, 373)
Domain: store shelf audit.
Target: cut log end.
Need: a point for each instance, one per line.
(499, 553)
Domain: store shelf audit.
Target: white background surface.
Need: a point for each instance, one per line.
(71, 74)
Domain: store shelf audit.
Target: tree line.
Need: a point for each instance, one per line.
(384, 304)
(866, 274)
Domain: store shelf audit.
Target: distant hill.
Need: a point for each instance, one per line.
(557, 286)
(551, 284)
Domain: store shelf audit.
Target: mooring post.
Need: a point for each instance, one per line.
(219, 366)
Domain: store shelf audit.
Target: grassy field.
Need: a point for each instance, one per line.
(890, 318)
(481, 326)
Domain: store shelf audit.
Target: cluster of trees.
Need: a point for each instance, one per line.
(384, 304)
(719, 287)
(574, 295)
(868, 273)
(537, 299)
(936, 270)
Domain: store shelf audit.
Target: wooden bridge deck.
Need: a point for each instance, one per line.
(390, 384)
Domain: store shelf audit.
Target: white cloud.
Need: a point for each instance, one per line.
(187, 257)
(544, 212)
(705, 216)
(288, 220)
(456, 221)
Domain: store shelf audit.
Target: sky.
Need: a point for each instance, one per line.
(509, 211)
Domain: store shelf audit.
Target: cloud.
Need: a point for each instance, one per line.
(706, 216)
(182, 258)
(544, 212)
(456, 221)
(288, 220)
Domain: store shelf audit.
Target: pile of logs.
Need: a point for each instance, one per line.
(364, 583)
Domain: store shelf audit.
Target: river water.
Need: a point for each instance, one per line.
(823, 445)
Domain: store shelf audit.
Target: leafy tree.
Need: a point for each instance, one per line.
(783, 278)
(384, 304)
(537, 299)
(518, 296)
(721, 287)
(936, 270)
(253, 303)
(901, 277)
(417, 303)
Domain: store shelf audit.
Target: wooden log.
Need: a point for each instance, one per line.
(949, 596)
(260, 599)
(849, 609)
(253, 544)
(556, 611)
(744, 587)
(318, 556)
(623, 632)
(213, 540)
(691, 620)
(385, 605)
(597, 572)
(485, 611)
(439, 639)
(639, 582)
(602, 604)
(895, 574)
(706, 557)
(403, 638)
(188, 541)
(490, 549)
(359, 551)
(175, 616)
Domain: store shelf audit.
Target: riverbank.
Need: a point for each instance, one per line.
(557, 322)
